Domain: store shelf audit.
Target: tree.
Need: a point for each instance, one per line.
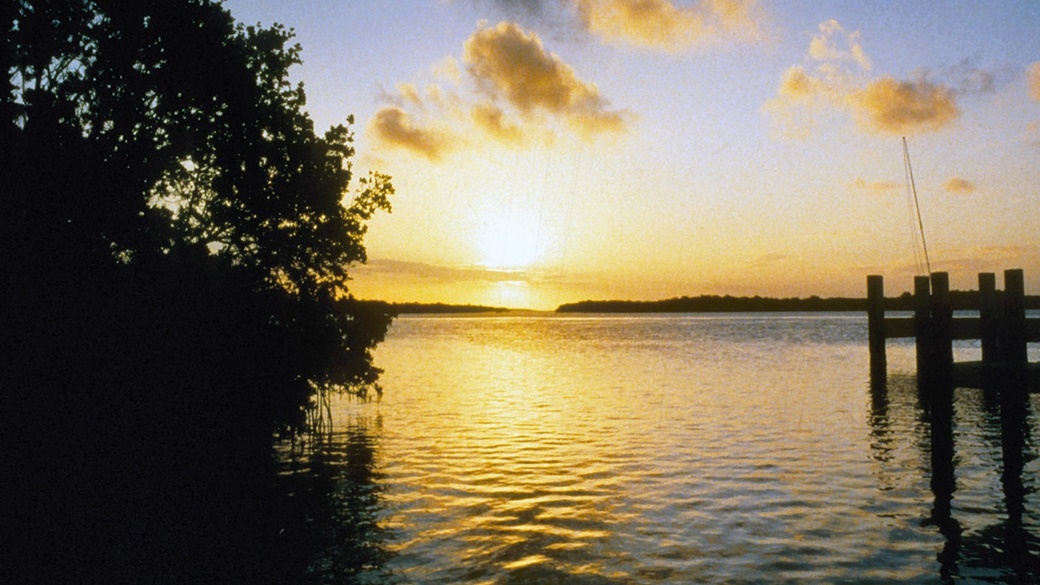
(176, 239)
(142, 132)
(168, 107)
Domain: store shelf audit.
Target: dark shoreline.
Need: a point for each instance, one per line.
(730, 304)
(960, 300)
(427, 308)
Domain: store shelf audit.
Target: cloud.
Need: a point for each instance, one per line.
(447, 68)
(392, 126)
(958, 185)
(1033, 79)
(409, 93)
(840, 81)
(529, 6)
(1032, 134)
(873, 187)
(511, 64)
(493, 121)
(666, 26)
(974, 259)
(904, 107)
(968, 79)
(827, 46)
(768, 261)
(524, 94)
(413, 271)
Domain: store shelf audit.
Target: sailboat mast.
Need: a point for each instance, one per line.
(917, 205)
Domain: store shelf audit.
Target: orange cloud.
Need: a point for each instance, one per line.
(1033, 78)
(511, 64)
(904, 107)
(663, 25)
(874, 187)
(1032, 133)
(797, 85)
(493, 121)
(840, 82)
(526, 94)
(959, 185)
(393, 126)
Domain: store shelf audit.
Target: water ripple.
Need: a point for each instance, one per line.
(670, 450)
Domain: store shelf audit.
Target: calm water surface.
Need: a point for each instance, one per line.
(666, 449)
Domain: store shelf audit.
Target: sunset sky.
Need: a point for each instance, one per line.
(553, 151)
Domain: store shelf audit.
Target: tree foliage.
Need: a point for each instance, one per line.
(159, 133)
(180, 129)
(175, 252)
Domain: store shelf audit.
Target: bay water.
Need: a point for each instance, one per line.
(609, 449)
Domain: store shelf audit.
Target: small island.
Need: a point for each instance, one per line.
(430, 308)
(959, 300)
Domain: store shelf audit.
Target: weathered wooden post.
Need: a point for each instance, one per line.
(876, 324)
(1013, 390)
(989, 318)
(1013, 327)
(942, 320)
(934, 317)
(922, 323)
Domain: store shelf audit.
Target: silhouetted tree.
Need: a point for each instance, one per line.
(174, 245)
(159, 133)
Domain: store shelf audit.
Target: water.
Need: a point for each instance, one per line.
(666, 449)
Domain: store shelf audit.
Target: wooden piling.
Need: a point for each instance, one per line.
(1004, 332)
(1013, 330)
(876, 323)
(989, 318)
(942, 320)
(922, 321)
(1001, 327)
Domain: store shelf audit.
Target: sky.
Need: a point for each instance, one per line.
(546, 152)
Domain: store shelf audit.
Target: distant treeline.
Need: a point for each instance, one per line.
(728, 304)
(404, 308)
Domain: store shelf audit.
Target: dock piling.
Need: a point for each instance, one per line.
(876, 323)
(922, 321)
(989, 317)
(1013, 342)
(942, 321)
(1002, 328)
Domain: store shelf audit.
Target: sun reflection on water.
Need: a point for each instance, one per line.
(621, 449)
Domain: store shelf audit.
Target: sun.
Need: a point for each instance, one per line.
(508, 242)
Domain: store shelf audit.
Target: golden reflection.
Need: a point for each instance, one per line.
(511, 293)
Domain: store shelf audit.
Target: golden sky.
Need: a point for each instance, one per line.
(552, 151)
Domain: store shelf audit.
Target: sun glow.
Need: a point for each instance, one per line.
(509, 241)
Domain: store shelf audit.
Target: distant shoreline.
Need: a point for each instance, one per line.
(730, 304)
(701, 304)
(428, 308)
(719, 304)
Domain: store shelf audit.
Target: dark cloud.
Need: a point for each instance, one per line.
(394, 127)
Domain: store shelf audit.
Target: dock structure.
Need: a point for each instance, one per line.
(1001, 327)
(1004, 373)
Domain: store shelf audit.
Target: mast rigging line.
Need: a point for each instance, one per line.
(917, 206)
